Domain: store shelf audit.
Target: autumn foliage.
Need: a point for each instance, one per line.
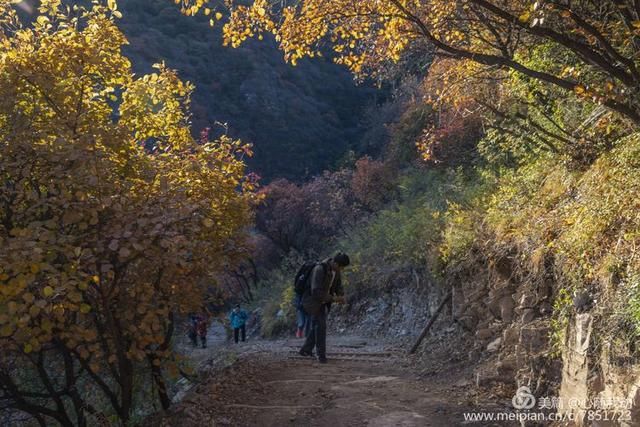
(372, 183)
(552, 76)
(112, 217)
(306, 217)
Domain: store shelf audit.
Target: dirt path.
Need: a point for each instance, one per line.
(362, 385)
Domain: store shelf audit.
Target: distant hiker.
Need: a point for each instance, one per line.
(324, 287)
(201, 329)
(191, 332)
(303, 320)
(238, 318)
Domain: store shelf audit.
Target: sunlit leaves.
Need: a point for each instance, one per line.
(110, 209)
(365, 35)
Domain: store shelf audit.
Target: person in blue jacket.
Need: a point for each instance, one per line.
(303, 321)
(238, 318)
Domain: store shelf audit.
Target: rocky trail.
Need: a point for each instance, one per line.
(364, 384)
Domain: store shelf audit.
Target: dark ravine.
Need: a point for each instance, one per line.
(297, 126)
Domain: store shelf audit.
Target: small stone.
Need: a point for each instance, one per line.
(494, 345)
(510, 336)
(506, 308)
(534, 339)
(484, 334)
(527, 300)
(528, 315)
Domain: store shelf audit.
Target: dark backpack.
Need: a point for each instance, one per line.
(301, 282)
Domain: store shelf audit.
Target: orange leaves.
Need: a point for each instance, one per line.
(366, 35)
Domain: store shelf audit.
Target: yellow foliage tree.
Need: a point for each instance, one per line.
(113, 218)
(599, 36)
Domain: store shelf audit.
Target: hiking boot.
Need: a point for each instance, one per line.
(322, 360)
(305, 353)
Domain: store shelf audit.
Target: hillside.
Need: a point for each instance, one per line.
(301, 120)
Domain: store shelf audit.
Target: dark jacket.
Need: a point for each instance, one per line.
(322, 288)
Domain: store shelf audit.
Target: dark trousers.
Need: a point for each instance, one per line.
(317, 336)
(193, 336)
(236, 332)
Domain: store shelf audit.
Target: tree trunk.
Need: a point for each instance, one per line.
(429, 324)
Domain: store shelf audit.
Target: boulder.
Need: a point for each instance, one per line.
(506, 308)
(507, 366)
(527, 300)
(534, 339)
(484, 334)
(468, 322)
(510, 336)
(527, 315)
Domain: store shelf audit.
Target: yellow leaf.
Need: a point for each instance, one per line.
(34, 311)
(218, 16)
(75, 296)
(6, 331)
(85, 308)
(47, 291)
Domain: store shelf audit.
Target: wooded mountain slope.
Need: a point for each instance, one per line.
(301, 120)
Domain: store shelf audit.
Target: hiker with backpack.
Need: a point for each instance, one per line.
(320, 284)
(238, 318)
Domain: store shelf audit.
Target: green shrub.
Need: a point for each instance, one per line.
(276, 297)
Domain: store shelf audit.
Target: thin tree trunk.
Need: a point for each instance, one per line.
(163, 396)
(429, 324)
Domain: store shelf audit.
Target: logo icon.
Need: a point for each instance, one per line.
(523, 398)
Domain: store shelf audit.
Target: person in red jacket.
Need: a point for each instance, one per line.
(201, 329)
